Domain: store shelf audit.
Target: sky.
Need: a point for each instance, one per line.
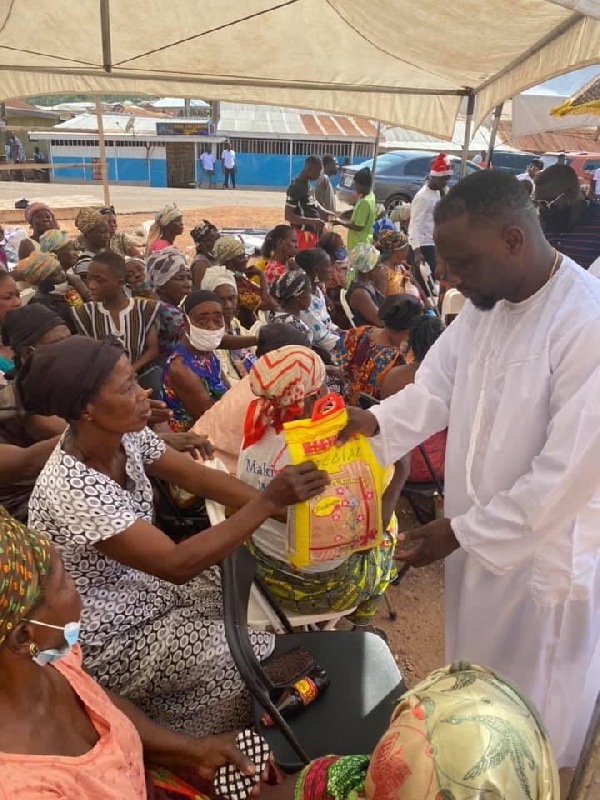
(569, 83)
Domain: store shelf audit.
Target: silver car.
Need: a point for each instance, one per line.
(398, 177)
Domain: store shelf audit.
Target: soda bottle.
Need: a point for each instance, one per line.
(303, 692)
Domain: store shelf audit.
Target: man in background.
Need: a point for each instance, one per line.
(229, 166)
(302, 210)
(39, 158)
(208, 167)
(535, 166)
(479, 159)
(595, 185)
(324, 193)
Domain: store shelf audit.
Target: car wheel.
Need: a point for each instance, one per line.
(396, 200)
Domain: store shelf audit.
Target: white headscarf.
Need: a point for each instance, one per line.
(218, 276)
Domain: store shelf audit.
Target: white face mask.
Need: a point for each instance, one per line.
(203, 340)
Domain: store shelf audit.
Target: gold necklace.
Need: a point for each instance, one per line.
(554, 266)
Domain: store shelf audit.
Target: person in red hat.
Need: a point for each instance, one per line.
(420, 228)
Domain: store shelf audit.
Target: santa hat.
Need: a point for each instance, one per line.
(441, 166)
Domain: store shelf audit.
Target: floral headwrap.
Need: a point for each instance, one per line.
(51, 241)
(227, 248)
(33, 208)
(24, 560)
(390, 241)
(281, 380)
(362, 258)
(37, 267)
(88, 219)
(162, 265)
(289, 285)
(200, 231)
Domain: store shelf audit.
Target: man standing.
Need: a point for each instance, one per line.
(208, 167)
(571, 223)
(302, 211)
(324, 194)
(228, 162)
(479, 159)
(516, 380)
(595, 185)
(535, 166)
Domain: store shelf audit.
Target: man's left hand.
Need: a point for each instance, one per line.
(198, 446)
(423, 546)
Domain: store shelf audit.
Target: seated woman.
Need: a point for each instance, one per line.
(76, 740)
(334, 246)
(62, 247)
(366, 285)
(192, 379)
(205, 237)
(425, 330)
(393, 246)
(120, 242)
(95, 237)
(316, 263)
(292, 292)
(278, 251)
(53, 287)
(42, 219)
(136, 282)
(168, 225)
(236, 362)
(151, 619)
(169, 276)
(9, 299)
(368, 353)
(439, 746)
(287, 383)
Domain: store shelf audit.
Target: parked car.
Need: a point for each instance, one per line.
(507, 161)
(398, 176)
(584, 164)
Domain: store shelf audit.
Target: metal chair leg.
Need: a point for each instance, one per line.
(392, 613)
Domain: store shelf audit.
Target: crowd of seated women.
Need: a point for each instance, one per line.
(127, 367)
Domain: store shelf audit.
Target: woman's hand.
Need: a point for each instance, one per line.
(209, 753)
(295, 485)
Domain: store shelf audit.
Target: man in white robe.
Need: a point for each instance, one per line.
(516, 379)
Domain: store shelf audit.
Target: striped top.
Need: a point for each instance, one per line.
(582, 242)
(135, 320)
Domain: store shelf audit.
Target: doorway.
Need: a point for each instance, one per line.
(181, 173)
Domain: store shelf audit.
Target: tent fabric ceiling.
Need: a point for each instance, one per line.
(398, 61)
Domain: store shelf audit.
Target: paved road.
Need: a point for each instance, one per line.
(131, 199)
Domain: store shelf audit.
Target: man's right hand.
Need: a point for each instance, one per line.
(359, 421)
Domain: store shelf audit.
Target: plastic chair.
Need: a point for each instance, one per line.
(346, 306)
(350, 717)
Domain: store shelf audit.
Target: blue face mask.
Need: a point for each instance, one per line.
(341, 254)
(71, 633)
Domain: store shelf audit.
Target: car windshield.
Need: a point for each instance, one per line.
(384, 161)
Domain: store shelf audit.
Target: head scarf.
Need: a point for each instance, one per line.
(167, 214)
(200, 231)
(227, 248)
(25, 326)
(392, 240)
(463, 732)
(289, 285)
(281, 380)
(363, 258)
(162, 265)
(33, 208)
(218, 276)
(87, 219)
(37, 267)
(51, 241)
(61, 379)
(24, 560)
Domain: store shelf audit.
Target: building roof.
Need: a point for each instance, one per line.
(404, 139)
(281, 122)
(177, 102)
(17, 107)
(574, 140)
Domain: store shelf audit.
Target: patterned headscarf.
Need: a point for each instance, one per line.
(37, 267)
(162, 265)
(227, 248)
(87, 219)
(363, 257)
(218, 276)
(390, 241)
(281, 380)
(289, 285)
(200, 231)
(24, 560)
(463, 732)
(51, 241)
(33, 208)
(167, 214)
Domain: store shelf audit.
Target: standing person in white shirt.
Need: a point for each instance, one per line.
(228, 161)
(208, 167)
(516, 380)
(595, 185)
(535, 166)
(420, 227)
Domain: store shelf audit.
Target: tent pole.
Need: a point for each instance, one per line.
(101, 142)
(493, 132)
(467, 139)
(375, 151)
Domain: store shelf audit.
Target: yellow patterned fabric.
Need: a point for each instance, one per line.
(24, 559)
(37, 267)
(87, 219)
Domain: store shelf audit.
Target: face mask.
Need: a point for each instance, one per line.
(341, 254)
(203, 340)
(71, 633)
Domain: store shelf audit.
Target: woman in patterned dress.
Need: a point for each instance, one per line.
(152, 611)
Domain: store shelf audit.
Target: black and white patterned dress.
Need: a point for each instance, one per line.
(162, 646)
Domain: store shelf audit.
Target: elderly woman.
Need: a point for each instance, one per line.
(169, 276)
(151, 619)
(168, 225)
(42, 219)
(365, 292)
(229, 252)
(286, 384)
(95, 237)
(393, 246)
(464, 732)
(205, 237)
(9, 298)
(119, 242)
(53, 287)
(236, 362)
(293, 294)
(76, 740)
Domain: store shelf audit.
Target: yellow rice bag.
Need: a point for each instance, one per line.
(346, 516)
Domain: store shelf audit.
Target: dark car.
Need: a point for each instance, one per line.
(506, 161)
(398, 176)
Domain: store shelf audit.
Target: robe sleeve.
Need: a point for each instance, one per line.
(418, 411)
(418, 210)
(564, 476)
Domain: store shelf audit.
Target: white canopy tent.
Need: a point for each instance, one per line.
(531, 113)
